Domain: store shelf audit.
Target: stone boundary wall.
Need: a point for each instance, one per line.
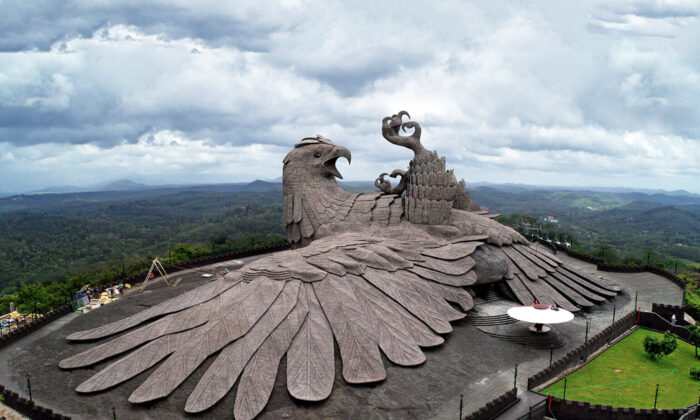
(29, 327)
(602, 266)
(581, 256)
(692, 413)
(580, 410)
(495, 407)
(652, 321)
(642, 268)
(574, 357)
(50, 316)
(665, 312)
(28, 408)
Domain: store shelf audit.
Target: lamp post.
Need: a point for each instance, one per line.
(656, 396)
(566, 378)
(29, 387)
(551, 354)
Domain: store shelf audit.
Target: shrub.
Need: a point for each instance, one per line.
(695, 373)
(658, 348)
(694, 336)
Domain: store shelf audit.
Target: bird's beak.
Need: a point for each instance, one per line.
(329, 164)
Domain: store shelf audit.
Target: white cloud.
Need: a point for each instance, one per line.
(582, 92)
(162, 157)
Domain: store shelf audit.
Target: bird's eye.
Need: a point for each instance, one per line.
(317, 154)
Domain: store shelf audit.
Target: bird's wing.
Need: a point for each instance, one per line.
(533, 273)
(470, 223)
(537, 274)
(370, 293)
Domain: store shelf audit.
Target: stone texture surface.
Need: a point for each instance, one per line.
(490, 267)
(468, 362)
(380, 280)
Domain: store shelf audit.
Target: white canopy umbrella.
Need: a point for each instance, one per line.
(539, 316)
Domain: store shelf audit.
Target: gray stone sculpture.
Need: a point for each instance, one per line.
(374, 272)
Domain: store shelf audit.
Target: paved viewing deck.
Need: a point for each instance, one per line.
(470, 362)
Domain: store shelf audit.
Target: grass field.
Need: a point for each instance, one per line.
(624, 376)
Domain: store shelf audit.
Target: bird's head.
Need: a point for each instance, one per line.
(313, 160)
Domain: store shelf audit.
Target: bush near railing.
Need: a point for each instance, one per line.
(34, 325)
(580, 410)
(495, 407)
(574, 357)
(575, 410)
(198, 262)
(28, 408)
(29, 327)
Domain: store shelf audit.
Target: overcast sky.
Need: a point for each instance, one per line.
(581, 93)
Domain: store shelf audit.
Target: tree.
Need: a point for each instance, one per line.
(183, 252)
(658, 348)
(694, 336)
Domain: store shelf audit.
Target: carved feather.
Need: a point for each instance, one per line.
(310, 359)
(248, 308)
(358, 347)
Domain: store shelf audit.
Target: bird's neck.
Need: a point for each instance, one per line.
(304, 205)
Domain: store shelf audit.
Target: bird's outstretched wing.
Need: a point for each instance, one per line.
(383, 290)
(368, 293)
(533, 274)
(536, 274)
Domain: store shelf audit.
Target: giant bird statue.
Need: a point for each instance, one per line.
(374, 272)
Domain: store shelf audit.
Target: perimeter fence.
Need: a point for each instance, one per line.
(27, 407)
(581, 353)
(495, 407)
(201, 261)
(27, 326)
(579, 410)
(32, 324)
(601, 265)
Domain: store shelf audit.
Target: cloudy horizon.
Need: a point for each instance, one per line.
(591, 93)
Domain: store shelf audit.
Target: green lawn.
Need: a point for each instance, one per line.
(624, 376)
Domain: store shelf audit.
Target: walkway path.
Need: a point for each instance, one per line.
(469, 363)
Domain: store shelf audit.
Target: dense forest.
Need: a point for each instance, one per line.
(629, 227)
(52, 243)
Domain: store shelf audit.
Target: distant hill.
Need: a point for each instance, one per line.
(121, 191)
(261, 186)
(511, 187)
(567, 202)
(46, 236)
(61, 189)
(125, 185)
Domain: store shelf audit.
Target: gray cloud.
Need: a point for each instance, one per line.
(580, 92)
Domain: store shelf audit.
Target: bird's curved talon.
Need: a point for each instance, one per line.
(392, 126)
(383, 184)
(397, 172)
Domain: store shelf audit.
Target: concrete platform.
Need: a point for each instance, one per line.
(469, 362)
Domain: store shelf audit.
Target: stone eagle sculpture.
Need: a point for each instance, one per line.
(374, 272)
